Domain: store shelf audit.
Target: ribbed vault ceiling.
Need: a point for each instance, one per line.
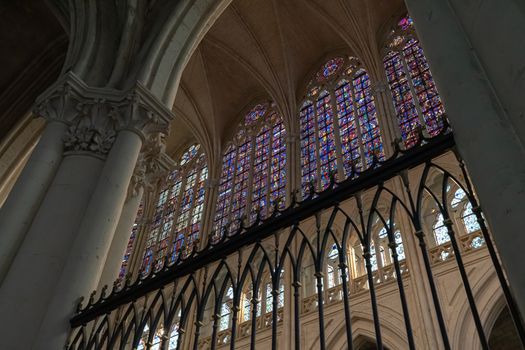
(268, 50)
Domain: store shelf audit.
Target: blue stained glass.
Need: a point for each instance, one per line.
(366, 113)
(260, 172)
(347, 128)
(240, 187)
(308, 146)
(409, 67)
(327, 153)
(225, 188)
(330, 68)
(278, 164)
(189, 154)
(256, 113)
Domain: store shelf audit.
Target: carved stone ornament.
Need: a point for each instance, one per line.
(95, 115)
(153, 164)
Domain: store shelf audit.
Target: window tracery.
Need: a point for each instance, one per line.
(178, 211)
(264, 297)
(253, 176)
(414, 94)
(338, 123)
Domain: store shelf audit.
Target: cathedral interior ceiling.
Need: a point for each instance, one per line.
(268, 50)
(33, 46)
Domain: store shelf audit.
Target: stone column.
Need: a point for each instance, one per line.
(386, 117)
(120, 240)
(485, 134)
(23, 202)
(153, 164)
(87, 255)
(63, 254)
(29, 284)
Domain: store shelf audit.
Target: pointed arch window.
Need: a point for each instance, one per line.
(178, 211)
(414, 94)
(253, 173)
(338, 123)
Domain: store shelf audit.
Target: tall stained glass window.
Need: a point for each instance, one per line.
(338, 123)
(414, 93)
(253, 173)
(124, 268)
(178, 211)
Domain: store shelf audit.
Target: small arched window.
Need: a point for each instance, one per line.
(178, 212)
(339, 128)
(226, 310)
(414, 93)
(254, 169)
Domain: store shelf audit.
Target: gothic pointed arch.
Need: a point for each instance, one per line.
(253, 177)
(338, 122)
(415, 97)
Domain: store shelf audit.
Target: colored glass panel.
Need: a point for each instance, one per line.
(256, 113)
(329, 68)
(225, 189)
(406, 111)
(347, 127)
(327, 155)
(131, 242)
(189, 154)
(308, 146)
(424, 86)
(278, 164)
(260, 173)
(366, 114)
(405, 23)
(240, 187)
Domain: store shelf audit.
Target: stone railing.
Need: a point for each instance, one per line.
(244, 329)
(359, 284)
(467, 243)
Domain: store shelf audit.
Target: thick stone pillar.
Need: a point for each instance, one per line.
(63, 253)
(485, 134)
(88, 253)
(120, 240)
(153, 165)
(30, 283)
(26, 196)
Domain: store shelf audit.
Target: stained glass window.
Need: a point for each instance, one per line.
(254, 170)
(225, 310)
(174, 337)
(440, 230)
(338, 124)
(400, 249)
(178, 211)
(248, 305)
(256, 113)
(469, 219)
(131, 242)
(373, 256)
(144, 338)
(329, 68)
(414, 93)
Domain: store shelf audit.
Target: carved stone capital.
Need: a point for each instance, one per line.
(153, 164)
(95, 115)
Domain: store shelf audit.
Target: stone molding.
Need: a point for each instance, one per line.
(95, 115)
